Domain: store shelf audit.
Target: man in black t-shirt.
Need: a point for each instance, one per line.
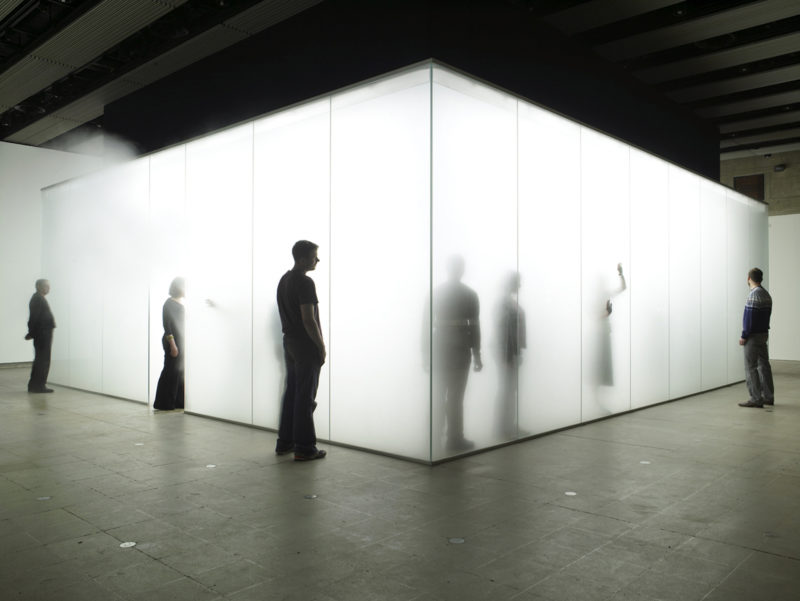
(40, 330)
(304, 352)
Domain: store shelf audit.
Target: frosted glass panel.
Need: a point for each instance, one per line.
(605, 218)
(380, 280)
(685, 285)
(219, 175)
(474, 254)
(291, 203)
(126, 281)
(713, 278)
(168, 239)
(550, 267)
(784, 286)
(86, 282)
(738, 265)
(57, 237)
(759, 239)
(649, 279)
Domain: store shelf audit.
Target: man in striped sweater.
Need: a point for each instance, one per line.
(755, 331)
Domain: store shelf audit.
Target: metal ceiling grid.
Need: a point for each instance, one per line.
(28, 77)
(80, 42)
(101, 28)
(734, 63)
(6, 6)
(43, 130)
(268, 13)
(729, 21)
(92, 105)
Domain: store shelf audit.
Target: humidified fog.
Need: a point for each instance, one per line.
(489, 270)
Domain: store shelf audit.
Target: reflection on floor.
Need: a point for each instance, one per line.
(697, 499)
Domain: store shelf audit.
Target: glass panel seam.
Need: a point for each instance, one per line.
(430, 264)
(330, 263)
(580, 266)
(630, 288)
(252, 265)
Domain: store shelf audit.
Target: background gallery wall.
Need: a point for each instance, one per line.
(632, 270)
(24, 171)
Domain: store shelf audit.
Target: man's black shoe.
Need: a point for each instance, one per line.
(751, 404)
(770, 403)
(39, 390)
(317, 454)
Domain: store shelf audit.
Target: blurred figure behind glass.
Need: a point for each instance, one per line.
(511, 336)
(456, 343)
(169, 393)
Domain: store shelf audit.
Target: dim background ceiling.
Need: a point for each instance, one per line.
(735, 63)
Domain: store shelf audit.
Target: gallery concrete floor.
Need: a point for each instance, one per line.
(696, 499)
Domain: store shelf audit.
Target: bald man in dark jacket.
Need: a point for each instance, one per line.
(40, 330)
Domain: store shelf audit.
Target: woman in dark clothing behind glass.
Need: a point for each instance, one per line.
(169, 394)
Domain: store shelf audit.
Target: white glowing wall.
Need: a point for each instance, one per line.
(24, 171)
(630, 271)
(380, 265)
(784, 262)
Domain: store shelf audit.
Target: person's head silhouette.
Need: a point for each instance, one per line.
(455, 268)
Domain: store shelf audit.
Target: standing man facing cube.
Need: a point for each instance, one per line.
(40, 329)
(304, 353)
(755, 332)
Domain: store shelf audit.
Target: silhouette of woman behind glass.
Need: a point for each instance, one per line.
(169, 392)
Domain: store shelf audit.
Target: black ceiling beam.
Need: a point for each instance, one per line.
(789, 86)
(761, 144)
(727, 41)
(758, 131)
(741, 70)
(757, 114)
(542, 8)
(680, 12)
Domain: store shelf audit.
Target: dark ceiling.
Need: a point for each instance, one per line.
(734, 63)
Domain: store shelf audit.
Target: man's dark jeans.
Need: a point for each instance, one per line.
(297, 410)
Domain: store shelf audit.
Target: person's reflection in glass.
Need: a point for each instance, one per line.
(511, 337)
(457, 344)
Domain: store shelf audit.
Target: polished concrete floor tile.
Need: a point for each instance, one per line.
(695, 499)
